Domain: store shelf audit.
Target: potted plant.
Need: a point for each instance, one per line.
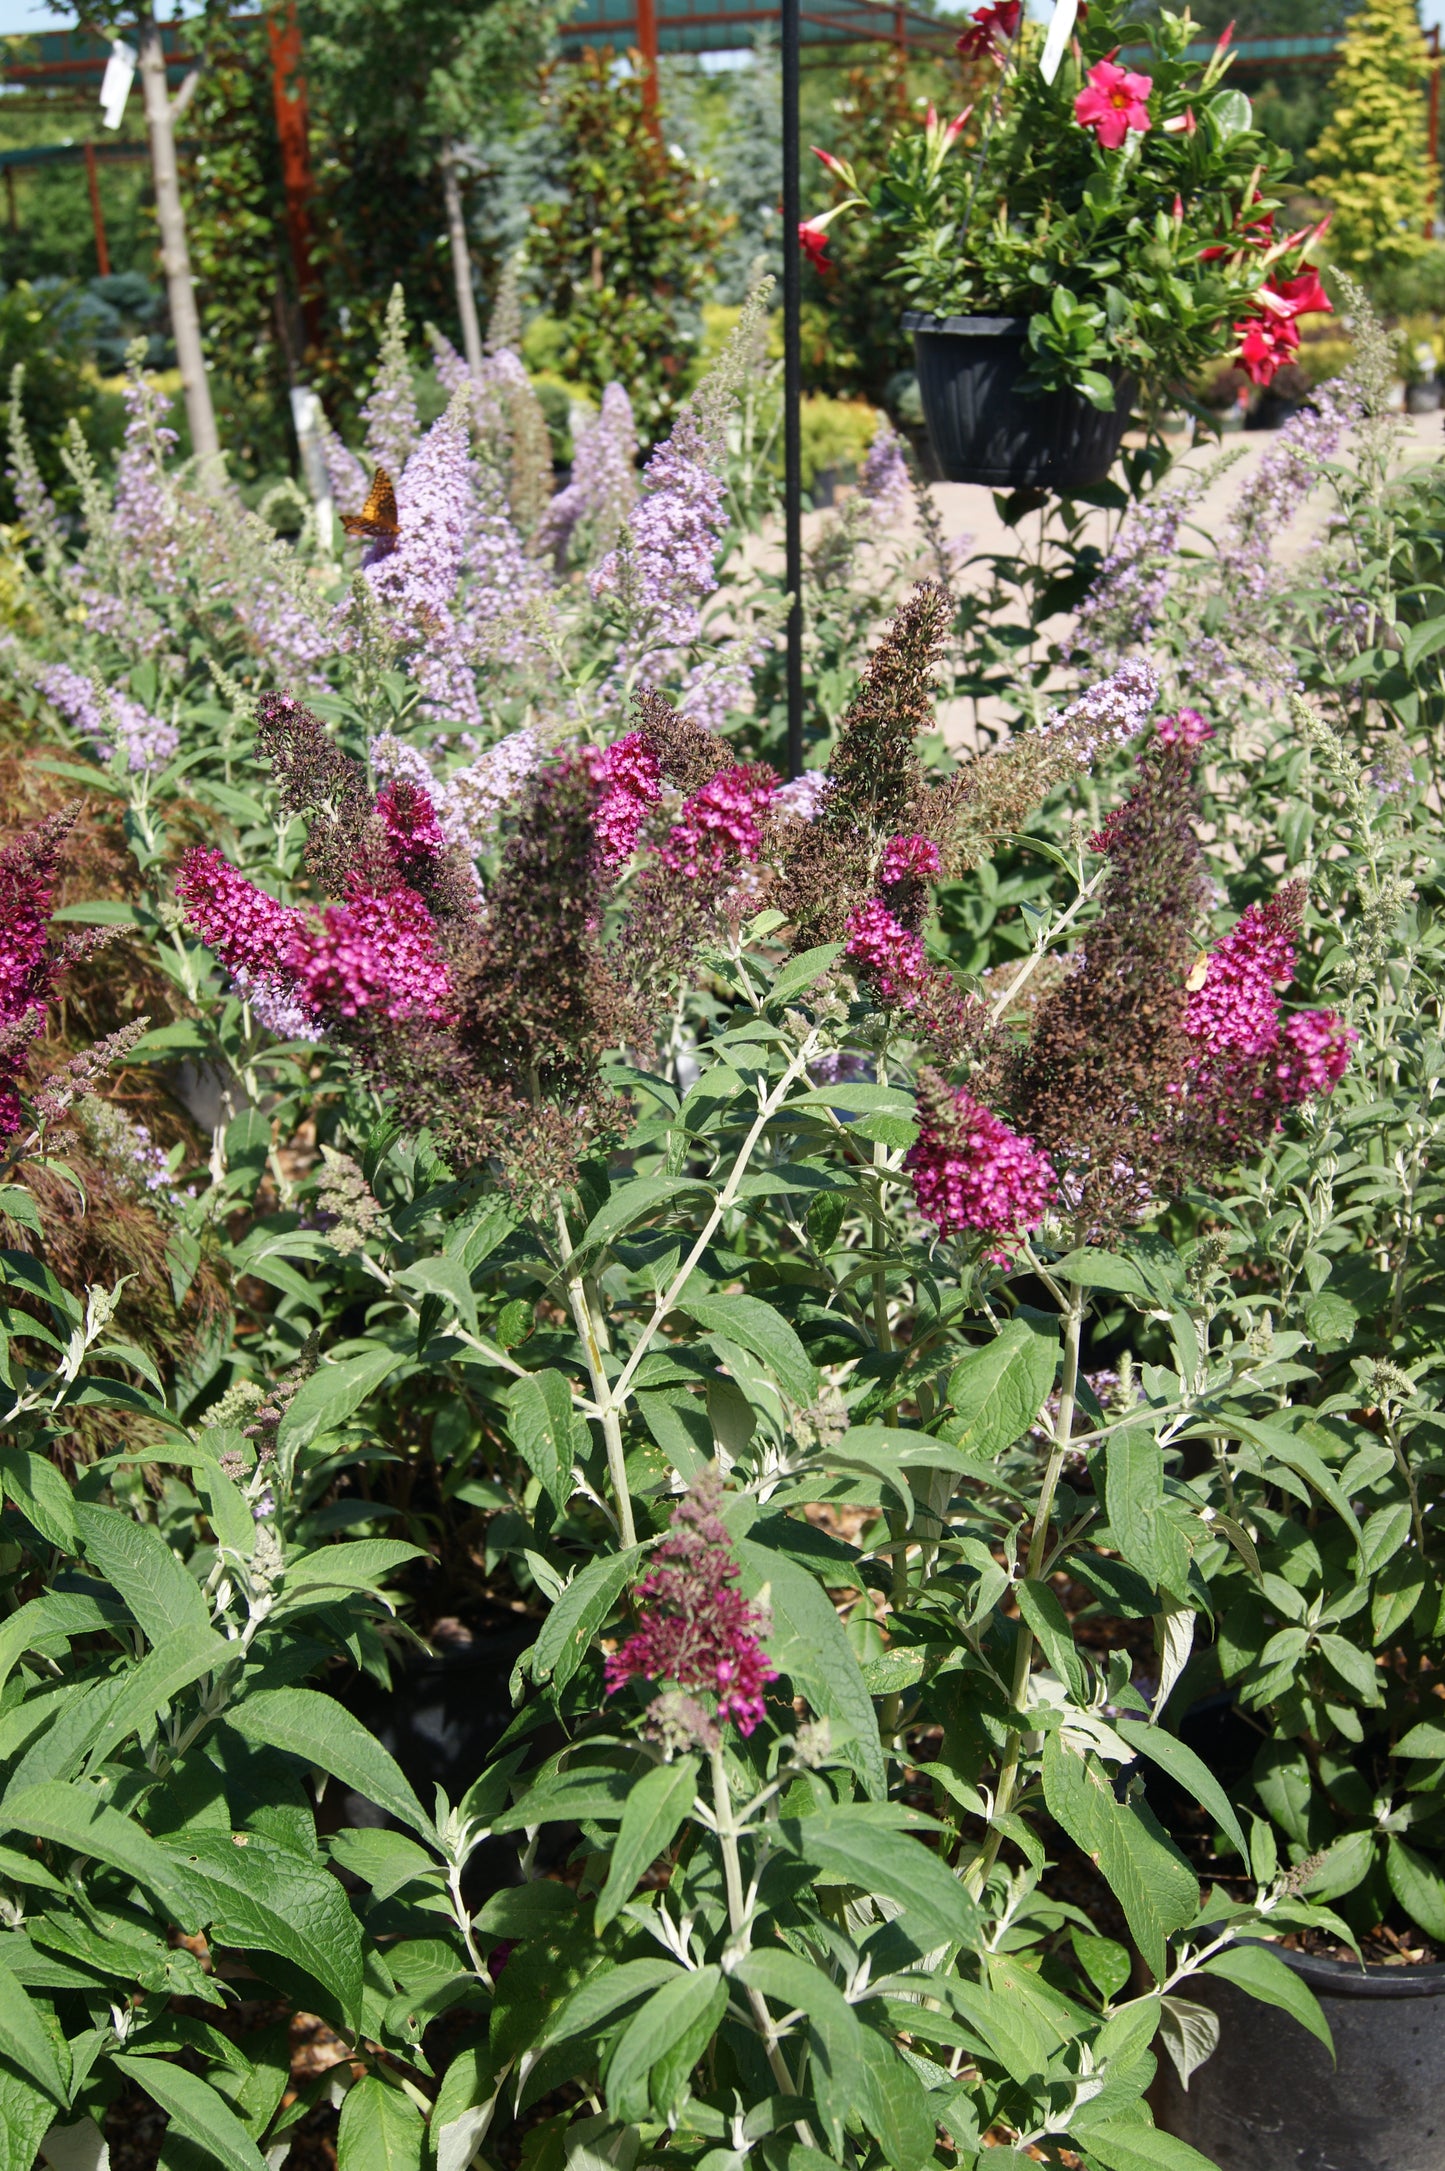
(1099, 236)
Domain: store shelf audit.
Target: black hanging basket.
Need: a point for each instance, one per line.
(985, 428)
(1270, 2099)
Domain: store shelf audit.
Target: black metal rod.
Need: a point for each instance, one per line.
(793, 381)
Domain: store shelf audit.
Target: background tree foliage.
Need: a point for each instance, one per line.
(1372, 163)
(622, 254)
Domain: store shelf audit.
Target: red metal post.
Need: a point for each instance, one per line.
(647, 47)
(97, 216)
(900, 34)
(288, 88)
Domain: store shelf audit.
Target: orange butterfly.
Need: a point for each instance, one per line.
(377, 519)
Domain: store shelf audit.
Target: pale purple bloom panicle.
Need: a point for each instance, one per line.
(1110, 714)
(147, 741)
(698, 1633)
(664, 567)
(804, 795)
(390, 413)
(884, 478)
(1283, 480)
(276, 1006)
(1129, 589)
(420, 574)
(596, 502)
(451, 368)
(344, 472)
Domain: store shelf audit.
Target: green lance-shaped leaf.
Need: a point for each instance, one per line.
(863, 1846)
(23, 2038)
(1148, 1876)
(1265, 1976)
(546, 1431)
(176, 1661)
(42, 1496)
(1191, 1772)
(320, 1730)
(264, 1898)
(690, 2005)
(74, 1817)
(380, 2129)
(332, 1393)
(583, 1608)
(1139, 1520)
(765, 1334)
(135, 1559)
(998, 1390)
(809, 1643)
(655, 1810)
(194, 2106)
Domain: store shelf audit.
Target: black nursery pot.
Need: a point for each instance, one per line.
(985, 428)
(1270, 2100)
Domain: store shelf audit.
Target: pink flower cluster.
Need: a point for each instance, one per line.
(373, 954)
(721, 822)
(413, 831)
(1235, 1011)
(631, 782)
(889, 954)
(971, 1172)
(697, 1630)
(27, 971)
(909, 859)
(1234, 1017)
(1187, 729)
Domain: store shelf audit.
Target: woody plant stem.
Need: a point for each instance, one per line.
(610, 1398)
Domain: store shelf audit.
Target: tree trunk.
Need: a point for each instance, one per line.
(461, 264)
(175, 257)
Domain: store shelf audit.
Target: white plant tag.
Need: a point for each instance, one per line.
(116, 82)
(1061, 29)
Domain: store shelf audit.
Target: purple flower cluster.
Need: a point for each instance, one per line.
(665, 566)
(1235, 1011)
(804, 795)
(372, 954)
(971, 1173)
(1245, 1047)
(884, 479)
(390, 413)
(1187, 728)
(909, 859)
(147, 741)
(1283, 480)
(697, 1630)
(1121, 608)
(1110, 714)
(595, 504)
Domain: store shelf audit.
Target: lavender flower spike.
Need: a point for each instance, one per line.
(884, 479)
(392, 427)
(1109, 714)
(596, 502)
(147, 741)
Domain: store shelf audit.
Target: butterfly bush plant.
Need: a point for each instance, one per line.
(782, 1319)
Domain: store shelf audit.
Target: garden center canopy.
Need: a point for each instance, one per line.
(711, 26)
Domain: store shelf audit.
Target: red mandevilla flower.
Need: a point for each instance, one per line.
(697, 1631)
(1113, 103)
(992, 29)
(813, 237)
